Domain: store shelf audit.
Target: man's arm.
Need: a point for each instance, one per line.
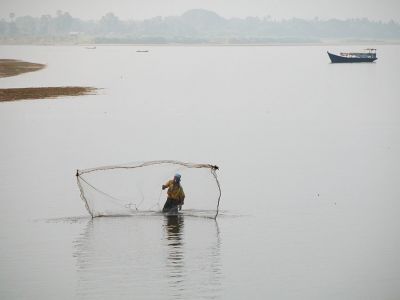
(182, 197)
(167, 185)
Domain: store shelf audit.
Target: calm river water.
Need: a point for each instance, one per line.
(309, 167)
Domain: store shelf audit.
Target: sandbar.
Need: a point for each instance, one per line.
(32, 93)
(13, 67)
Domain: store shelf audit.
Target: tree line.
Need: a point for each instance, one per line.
(194, 26)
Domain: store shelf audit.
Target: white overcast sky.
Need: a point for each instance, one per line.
(141, 9)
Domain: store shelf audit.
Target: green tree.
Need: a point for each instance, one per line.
(63, 22)
(110, 23)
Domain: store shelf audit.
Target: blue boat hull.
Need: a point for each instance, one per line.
(341, 59)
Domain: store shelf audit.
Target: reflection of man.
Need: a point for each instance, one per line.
(174, 226)
(176, 196)
(175, 265)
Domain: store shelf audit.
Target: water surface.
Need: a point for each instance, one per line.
(308, 153)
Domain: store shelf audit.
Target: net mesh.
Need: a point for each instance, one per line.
(135, 188)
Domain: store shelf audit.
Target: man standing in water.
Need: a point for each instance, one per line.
(176, 196)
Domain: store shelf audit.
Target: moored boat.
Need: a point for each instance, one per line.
(354, 57)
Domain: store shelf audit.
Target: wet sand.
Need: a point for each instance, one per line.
(44, 92)
(12, 67)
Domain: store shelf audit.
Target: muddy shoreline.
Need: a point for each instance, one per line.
(33, 93)
(12, 67)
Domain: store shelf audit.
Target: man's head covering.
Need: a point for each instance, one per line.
(177, 177)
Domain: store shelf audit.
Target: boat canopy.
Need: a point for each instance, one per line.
(371, 53)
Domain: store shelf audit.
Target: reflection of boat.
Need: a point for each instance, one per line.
(142, 50)
(354, 57)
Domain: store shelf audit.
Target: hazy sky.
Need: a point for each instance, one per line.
(141, 9)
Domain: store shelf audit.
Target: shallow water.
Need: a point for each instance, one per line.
(309, 168)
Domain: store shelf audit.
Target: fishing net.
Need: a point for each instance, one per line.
(131, 189)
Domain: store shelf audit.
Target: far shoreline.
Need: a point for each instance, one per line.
(328, 42)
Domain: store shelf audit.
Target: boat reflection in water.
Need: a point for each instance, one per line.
(354, 57)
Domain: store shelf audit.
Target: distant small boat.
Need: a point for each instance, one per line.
(354, 57)
(91, 48)
(142, 50)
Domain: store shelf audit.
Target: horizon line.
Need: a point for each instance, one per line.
(266, 17)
